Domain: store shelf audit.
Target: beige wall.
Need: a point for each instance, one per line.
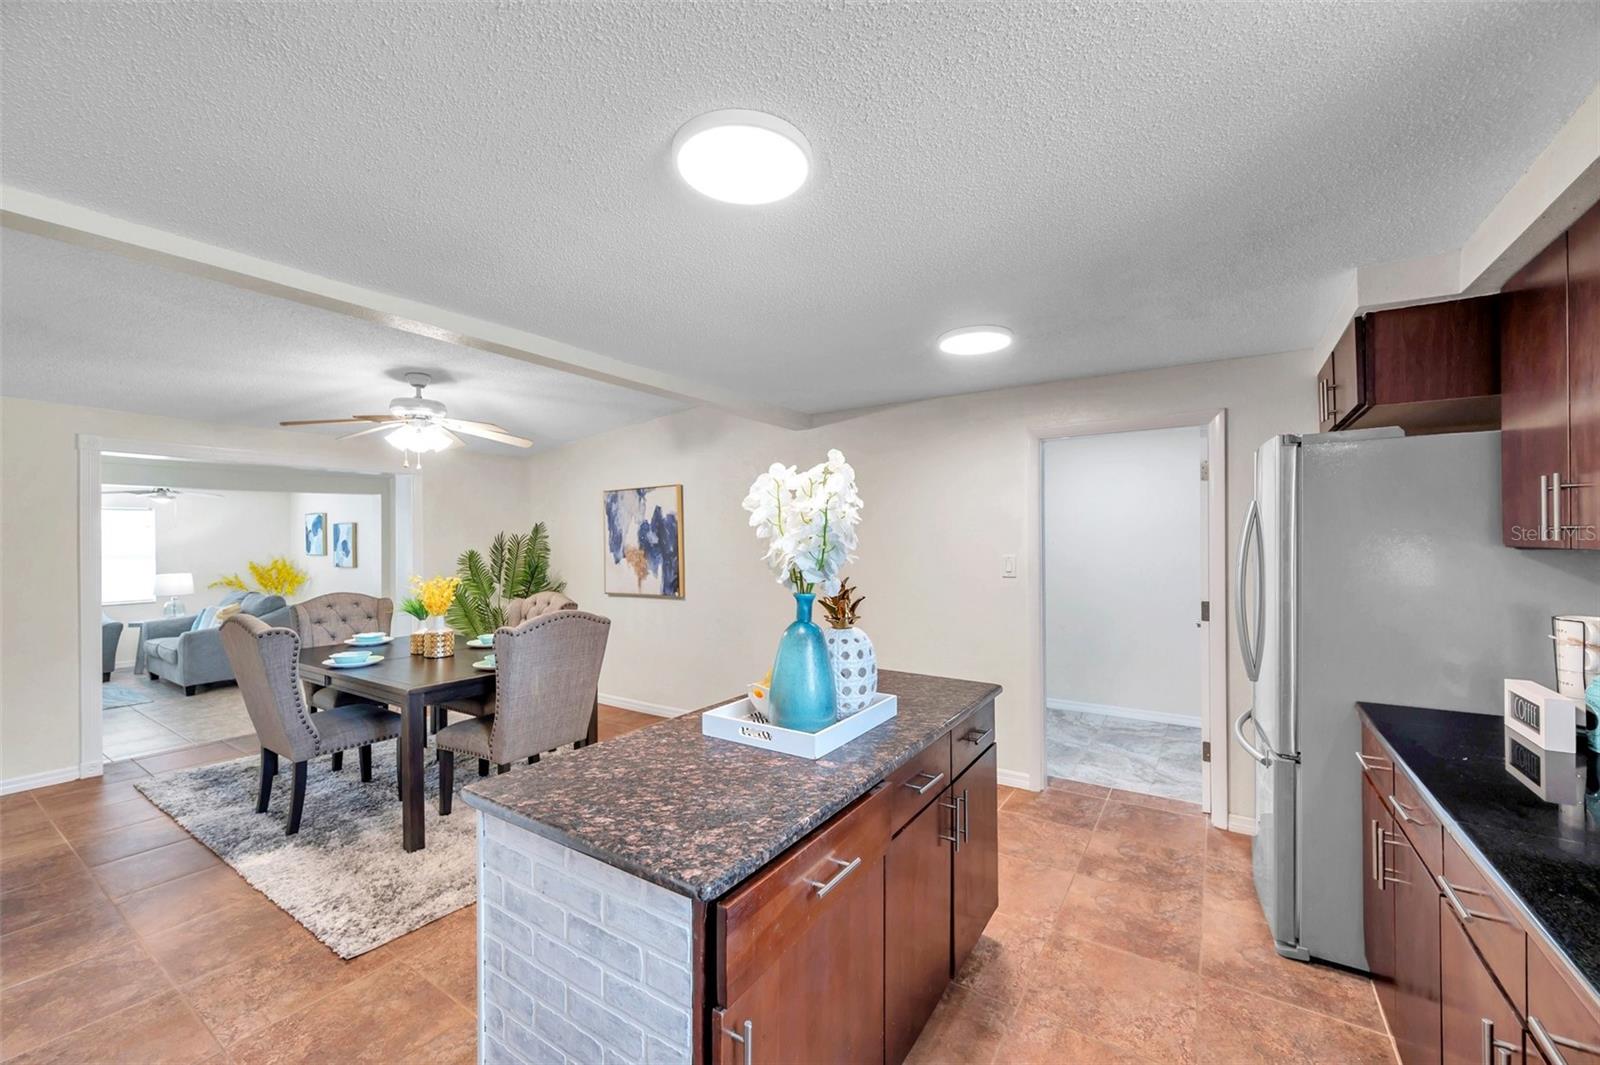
(465, 498)
(949, 486)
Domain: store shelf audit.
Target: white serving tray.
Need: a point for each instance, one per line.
(732, 722)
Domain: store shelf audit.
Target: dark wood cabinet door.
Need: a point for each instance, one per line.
(1347, 391)
(1478, 1025)
(1581, 505)
(917, 900)
(1533, 402)
(821, 999)
(1560, 1014)
(1377, 896)
(977, 857)
(1415, 1023)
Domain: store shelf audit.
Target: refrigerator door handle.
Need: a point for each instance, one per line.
(1250, 649)
(1238, 734)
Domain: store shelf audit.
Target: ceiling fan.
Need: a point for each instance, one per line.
(417, 426)
(159, 495)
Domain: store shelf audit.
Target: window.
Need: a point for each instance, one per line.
(127, 556)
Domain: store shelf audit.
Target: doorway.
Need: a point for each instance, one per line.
(1126, 595)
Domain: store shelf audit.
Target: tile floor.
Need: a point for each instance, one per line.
(170, 720)
(1116, 752)
(1127, 931)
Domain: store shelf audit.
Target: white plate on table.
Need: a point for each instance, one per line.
(372, 660)
(484, 664)
(353, 642)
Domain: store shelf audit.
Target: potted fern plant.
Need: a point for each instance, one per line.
(518, 565)
(851, 656)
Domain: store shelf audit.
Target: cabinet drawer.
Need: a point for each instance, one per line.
(1563, 1021)
(1489, 921)
(918, 782)
(972, 735)
(1412, 816)
(764, 916)
(1375, 762)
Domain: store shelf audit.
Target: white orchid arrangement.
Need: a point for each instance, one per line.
(808, 520)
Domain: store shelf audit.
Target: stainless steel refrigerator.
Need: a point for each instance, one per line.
(1371, 568)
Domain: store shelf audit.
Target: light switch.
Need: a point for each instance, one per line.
(1008, 565)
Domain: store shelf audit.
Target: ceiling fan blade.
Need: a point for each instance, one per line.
(192, 492)
(486, 432)
(380, 428)
(467, 423)
(323, 421)
(376, 417)
(455, 441)
(127, 491)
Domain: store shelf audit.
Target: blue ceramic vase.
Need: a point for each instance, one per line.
(802, 683)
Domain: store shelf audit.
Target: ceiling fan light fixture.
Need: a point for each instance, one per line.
(975, 340)
(742, 157)
(419, 438)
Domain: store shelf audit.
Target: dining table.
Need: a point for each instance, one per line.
(411, 684)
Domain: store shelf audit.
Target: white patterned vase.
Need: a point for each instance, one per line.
(855, 669)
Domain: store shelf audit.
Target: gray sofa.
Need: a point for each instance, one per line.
(110, 633)
(169, 651)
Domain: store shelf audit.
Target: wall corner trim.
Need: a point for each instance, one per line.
(39, 780)
(622, 702)
(1245, 826)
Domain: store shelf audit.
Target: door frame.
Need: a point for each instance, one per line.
(1214, 683)
(402, 536)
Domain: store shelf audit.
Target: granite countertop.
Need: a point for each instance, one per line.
(1548, 855)
(698, 815)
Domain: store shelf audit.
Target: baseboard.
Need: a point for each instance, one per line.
(1245, 826)
(1123, 711)
(639, 705)
(1011, 778)
(38, 780)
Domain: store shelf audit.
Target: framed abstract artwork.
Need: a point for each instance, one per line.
(316, 534)
(344, 544)
(644, 541)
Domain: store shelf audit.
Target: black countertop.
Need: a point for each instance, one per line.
(1547, 855)
(698, 815)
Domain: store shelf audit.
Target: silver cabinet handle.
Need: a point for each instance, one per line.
(1400, 812)
(1374, 852)
(823, 889)
(1544, 507)
(1496, 1051)
(954, 806)
(966, 816)
(1333, 411)
(1548, 1042)
(1248, 647)
(1322, 400)
(1462, 911)
(1555, 506)
(978, 739)
(933, 778)
(1366, 761)
(1238, 734)
(747, 1040)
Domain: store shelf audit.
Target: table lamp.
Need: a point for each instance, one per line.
(174, 585)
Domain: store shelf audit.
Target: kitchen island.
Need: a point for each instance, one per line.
(665, 896)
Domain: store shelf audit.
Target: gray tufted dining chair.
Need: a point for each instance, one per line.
(266, 661)
(547, 680)
(332, 619)
(536, 605)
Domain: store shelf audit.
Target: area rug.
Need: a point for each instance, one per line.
(343, 875)
(114, 696)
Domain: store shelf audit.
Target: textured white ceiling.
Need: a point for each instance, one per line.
(96, 329)
(1124, 184)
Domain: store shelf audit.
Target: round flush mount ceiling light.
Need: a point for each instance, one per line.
(743, 157)
(975, 340)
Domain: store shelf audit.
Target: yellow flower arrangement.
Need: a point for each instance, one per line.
(436, 593)
(276, 576)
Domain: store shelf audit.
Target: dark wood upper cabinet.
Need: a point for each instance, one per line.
(977, 856)
(1416, 1019)
(1550, 374)
(1533, 406)
(1582, 505)
(1428, 369)
(917, 924)
(1479, 1024)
